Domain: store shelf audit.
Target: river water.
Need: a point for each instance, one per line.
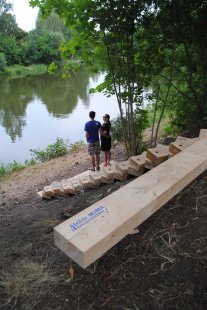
(35, 110)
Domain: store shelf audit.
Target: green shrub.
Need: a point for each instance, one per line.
(59, 148)
(2, 62)
(6, 169)
(3, 170)
(52, 68)
(140, 123)
(16, 71)
(77, 146)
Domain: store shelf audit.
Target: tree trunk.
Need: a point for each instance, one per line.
(164, 104)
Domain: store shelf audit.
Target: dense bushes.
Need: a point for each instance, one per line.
(57, 149)
(2, 62)
(41, 45)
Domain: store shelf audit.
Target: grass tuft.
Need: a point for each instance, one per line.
(28, 281)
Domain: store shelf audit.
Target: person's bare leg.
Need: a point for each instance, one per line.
(108, 157)
(92, 162)
(105, 159)
(97, 161)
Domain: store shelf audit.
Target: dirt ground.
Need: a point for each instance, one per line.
(164, 266)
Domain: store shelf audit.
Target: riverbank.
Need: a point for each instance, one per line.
(18, 71)
(164, 266)
(33, 178)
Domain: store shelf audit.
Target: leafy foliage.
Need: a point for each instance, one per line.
(11, 167)
(59, 148)
(161, 44)
(76, 147)
(41, 47)
(16, 71)
(10, 48)
(141, 123)
(52, 24)
(104, 36)
(3, 62)
(37, 46)
(180, 25)
(52, 68)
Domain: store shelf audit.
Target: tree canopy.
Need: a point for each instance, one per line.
(137, 44)
(142, 43)
(37, 46)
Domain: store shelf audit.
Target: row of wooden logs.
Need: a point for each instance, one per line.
(134, 166)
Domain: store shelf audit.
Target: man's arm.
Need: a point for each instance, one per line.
(87, 135)
(103, 132)
(86, 131)
(100, 129)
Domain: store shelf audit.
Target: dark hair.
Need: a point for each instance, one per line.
(107, 116)
(92, 114)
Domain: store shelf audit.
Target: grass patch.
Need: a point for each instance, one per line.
(76, 147)
(28, 281)
(55, 150)
(10, 167)
(7, 169)
(18, 71)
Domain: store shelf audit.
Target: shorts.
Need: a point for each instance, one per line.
(94, 148)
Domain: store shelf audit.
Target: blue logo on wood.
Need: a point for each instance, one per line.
(89, 217)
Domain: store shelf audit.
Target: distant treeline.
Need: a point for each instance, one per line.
(25, 48)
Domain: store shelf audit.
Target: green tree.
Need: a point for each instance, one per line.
(10, 34)
(141, 43)
(104, 36)
(41, 47)
(182, 24)
(51, 24)
(8, 25)
(10, 48)
(2, 62)
(5, 7)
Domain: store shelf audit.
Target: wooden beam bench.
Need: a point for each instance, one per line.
(89, 234)
(135, 166)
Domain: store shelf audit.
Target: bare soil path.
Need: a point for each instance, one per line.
(164, 266)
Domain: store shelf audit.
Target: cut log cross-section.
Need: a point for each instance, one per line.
(158, 154)
(138, 161)
(98, 177)
(68, 187)
(180, 144)
(89, 234)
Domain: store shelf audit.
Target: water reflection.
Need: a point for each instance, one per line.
(13, 103)
(60, 96)
(34, 111)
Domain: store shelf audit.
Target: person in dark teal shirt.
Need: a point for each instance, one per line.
(92, 129)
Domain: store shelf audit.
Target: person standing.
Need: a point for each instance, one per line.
(106, 139)
(92, 129)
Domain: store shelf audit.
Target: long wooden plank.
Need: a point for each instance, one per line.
(88, 235)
